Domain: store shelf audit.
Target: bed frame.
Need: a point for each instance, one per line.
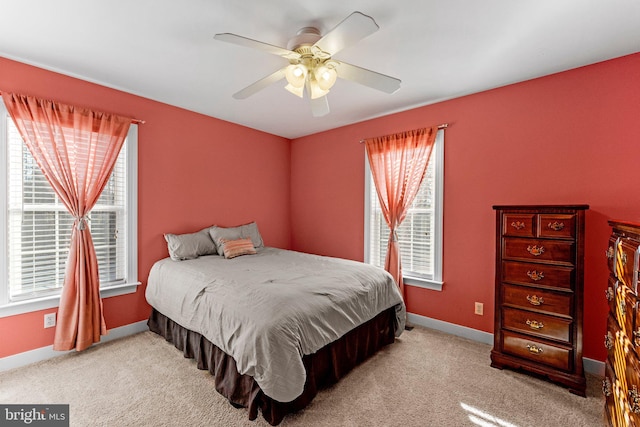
(323, 368)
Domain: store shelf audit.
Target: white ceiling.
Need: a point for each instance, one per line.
(440, 49)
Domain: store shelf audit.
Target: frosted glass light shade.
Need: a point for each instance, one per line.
(296, 75)
(298, 91)
(316, 91)
(325, 76)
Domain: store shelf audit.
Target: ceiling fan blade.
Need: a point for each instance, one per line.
(319, 106)
(259, 85)
(368, 78)
(352, 29)
(265, 47)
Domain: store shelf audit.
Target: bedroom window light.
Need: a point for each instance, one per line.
(420, 234)
(36, 227)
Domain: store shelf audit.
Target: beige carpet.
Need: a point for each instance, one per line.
(426, 378)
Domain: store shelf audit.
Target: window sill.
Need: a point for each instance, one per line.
(433, 285)
(28, 306)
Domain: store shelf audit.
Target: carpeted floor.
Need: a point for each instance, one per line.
(426, 378)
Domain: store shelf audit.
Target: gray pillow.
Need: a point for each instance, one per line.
(190, 246)
(233, 233)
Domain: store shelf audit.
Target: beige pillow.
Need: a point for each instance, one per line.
(234, 233)
(191, 245)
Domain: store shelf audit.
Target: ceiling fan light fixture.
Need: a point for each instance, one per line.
(296, 75)
(315, 91)
(326, 76)
(311, 68)
(298, 91)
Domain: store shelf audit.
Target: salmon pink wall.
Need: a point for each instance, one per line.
(194, 171)
(569, 138)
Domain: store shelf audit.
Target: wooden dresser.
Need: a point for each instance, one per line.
(621, 384)
(539, 292)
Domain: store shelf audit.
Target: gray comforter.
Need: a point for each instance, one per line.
(270, 309)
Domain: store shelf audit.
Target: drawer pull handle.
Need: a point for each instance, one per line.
(610, 252)
(534, 349)
(534, 324)
(634, 400)
(535, 300)
(606, 387)
(623, 259)
(556, 226)
(535, 250)
(609, 293)
(534, 275)
(518, 225)
(608, 341)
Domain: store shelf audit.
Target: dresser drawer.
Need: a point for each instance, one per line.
(557, 226)
(626, 260)
(622, 373)
(519, 225)
(541, 325)
(536, 350)
(550, 251)
(618, 345)
(614, 397)
(537, 299)
(633, 389)
(537, 274)
(625, 308)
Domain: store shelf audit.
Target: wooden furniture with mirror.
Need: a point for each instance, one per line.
(539, 292)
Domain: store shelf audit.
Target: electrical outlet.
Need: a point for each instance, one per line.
(479, 310)
(49, 320)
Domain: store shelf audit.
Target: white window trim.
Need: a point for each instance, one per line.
(131, 284)
(436, 283)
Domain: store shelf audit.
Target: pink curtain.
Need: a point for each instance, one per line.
(398, 164)
(76, 149)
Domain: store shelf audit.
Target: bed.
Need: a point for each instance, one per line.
(274, 327)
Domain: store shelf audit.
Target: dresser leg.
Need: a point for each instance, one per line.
(581, 393)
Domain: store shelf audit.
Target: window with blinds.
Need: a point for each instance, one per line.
(39, 226)
(419, 235)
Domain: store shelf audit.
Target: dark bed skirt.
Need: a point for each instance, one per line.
(324, 368)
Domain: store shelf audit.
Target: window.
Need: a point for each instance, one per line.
(420, 234)
(36, 227)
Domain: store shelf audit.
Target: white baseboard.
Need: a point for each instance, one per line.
(451, 328)
(591, 366)
(43, 353)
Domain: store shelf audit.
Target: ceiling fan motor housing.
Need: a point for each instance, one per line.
(307, 36)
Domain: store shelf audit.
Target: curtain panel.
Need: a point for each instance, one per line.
(76, 149)
(398, 165)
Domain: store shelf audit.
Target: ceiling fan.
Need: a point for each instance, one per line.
(311, 67)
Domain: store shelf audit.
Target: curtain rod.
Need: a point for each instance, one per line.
(441, 126)
(134, 121)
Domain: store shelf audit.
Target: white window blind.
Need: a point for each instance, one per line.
(39, 226)
(420, 234)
